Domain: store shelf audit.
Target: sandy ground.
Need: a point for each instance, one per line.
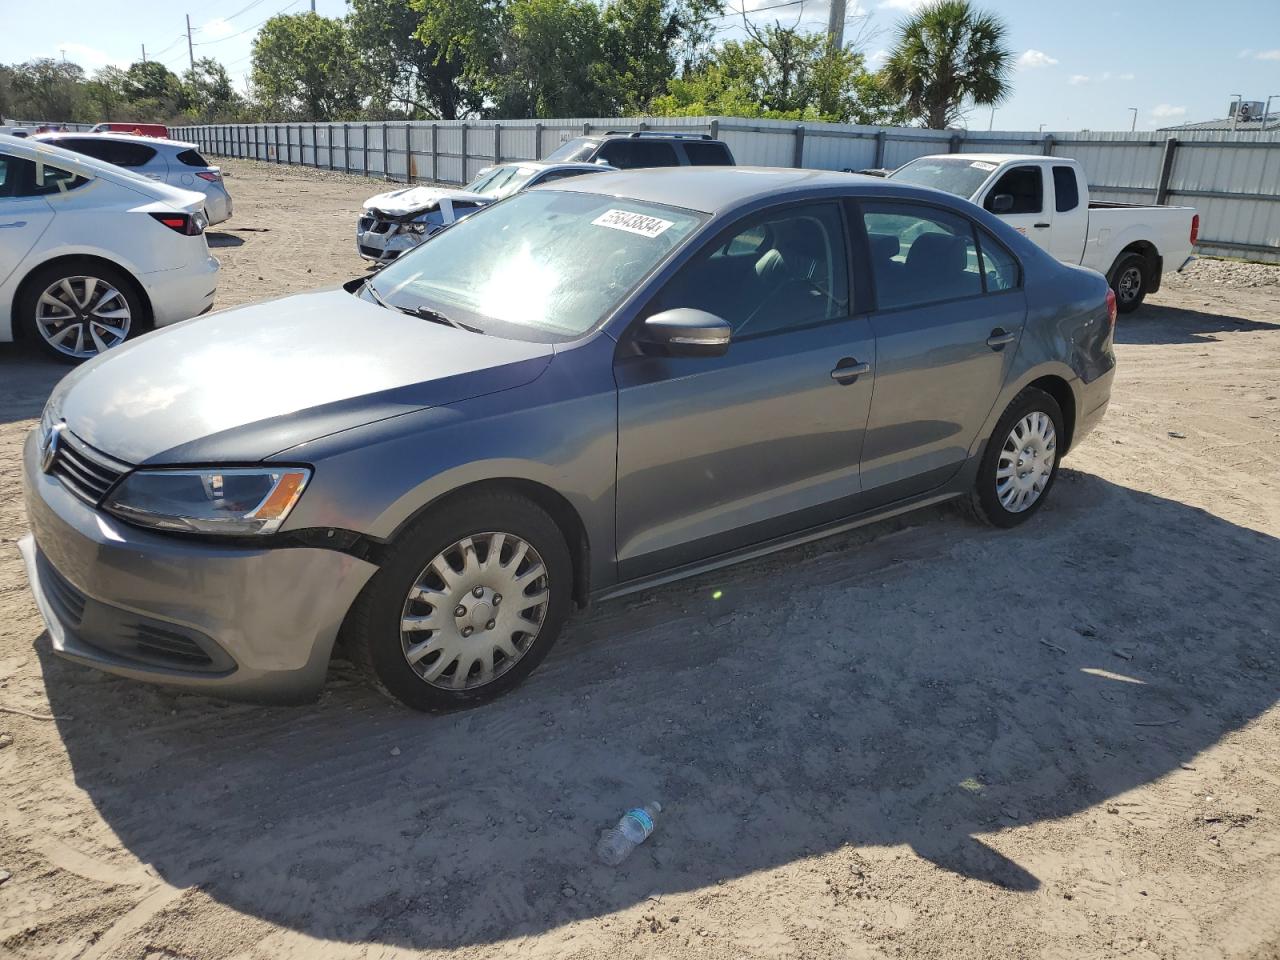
(926, 739)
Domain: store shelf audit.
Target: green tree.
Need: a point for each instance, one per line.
(45, 89)
(947, 57)
(209, 92)
(306, 66)
(646, 42)
(470, 34)
(551, 58)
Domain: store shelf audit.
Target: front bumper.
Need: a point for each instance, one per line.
(231, 621)
(182, 293)
(381, 241)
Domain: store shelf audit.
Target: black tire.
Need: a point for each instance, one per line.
(373, 633)
(43, 278)
(984, 501)
(1130, 280)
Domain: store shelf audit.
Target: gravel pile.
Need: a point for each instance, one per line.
(1233, 273)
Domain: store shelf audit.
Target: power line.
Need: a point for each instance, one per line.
(243, 10)
(748, 13)
(248, 29)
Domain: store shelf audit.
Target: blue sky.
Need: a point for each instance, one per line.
(1082, 64)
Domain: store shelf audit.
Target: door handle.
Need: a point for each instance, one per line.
(1040, 226)
(999, 338)
(11, 224)
(849, 369)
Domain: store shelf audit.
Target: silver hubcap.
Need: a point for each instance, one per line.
(1026, 462)
(82, 316)
(474, 611)
(1130, 284)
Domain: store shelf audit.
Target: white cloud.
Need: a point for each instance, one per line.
(1077, 79)
(1267, 55)
(1125, 76)
(1167, 111)
(91, 58)
(216, 29)
(876, 60)
(1030, 59)
(908, 6)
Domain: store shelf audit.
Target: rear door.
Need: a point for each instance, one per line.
(949, 309)
(1070, 214)
(24, 216)
(1030, 215)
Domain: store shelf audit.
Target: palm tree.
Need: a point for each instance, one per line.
(948, 55)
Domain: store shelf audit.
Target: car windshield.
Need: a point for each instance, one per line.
(578, 150)
(502, 181)
(547, 265)
(954, 175)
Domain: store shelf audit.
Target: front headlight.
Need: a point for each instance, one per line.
(232, 502)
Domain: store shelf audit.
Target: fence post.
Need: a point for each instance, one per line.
(954, 145)
(386, 151)
(408, 153)
(275, 136)
(346, 148)
(315, 146)
(288, 143)
(364, 148)
(586, 129)
(465, 127)
(642, 126)
(329, 136)
(713, 128)
(798, 159)
(1047, 147)
(435, 153)
(882, 138)
(497, 143)
(1166, 169)
(537, 141)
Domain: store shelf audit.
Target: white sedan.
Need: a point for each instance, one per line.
(91, 254)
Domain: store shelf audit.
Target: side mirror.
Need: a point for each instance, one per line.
(685, 332)
(1001, 203)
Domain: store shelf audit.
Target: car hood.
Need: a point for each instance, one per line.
(242, 384)
(417, 199)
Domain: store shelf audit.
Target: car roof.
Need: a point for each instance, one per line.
(30, 148)
(711, 189)
(125, 137)
(987, 157)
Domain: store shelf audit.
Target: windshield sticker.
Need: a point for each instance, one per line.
(983, 165)
(632, 222)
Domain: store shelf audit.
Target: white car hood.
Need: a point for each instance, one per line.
(417, 199)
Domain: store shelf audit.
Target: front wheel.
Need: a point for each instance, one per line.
(1020, 462)
(77, 310)
(1130, 280)
(470, 600)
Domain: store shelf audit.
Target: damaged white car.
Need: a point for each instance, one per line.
(394, 222)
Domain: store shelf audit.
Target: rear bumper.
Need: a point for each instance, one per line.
(217, 204)
(182, 293)
(1092, 401)
(229, 621)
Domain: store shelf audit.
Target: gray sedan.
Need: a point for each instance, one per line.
(580, 391)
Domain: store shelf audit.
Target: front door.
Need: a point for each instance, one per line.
(715, 454)
(23, 216)
(1029, 215)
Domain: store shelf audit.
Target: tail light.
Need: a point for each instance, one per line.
(187, 224)
(212, 176)
(1111, 307)
(1195, 228)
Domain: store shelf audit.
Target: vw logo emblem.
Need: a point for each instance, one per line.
(49, 451)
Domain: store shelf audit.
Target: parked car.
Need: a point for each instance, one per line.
(394, 222)
(14, 131)
(91, 254)
(645, 148)
(1047, 199)
(138, 129)
(174, 162)
(584, 390)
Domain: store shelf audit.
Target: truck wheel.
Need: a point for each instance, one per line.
(1129, 280)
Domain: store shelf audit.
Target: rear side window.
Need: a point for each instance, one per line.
(920, 255)
(10, 174)
(628, 154)
(1025, 185)
(702, 153)
(192, 159)
(1065, 190)
(46, 179)
(119, 152)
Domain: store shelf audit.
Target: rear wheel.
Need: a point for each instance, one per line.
(470, 600)
(79, 309)
(1020, 462)
(1130, 279)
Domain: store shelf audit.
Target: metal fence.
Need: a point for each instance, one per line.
(1233, 179)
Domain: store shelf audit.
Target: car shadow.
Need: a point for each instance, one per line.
(922, 683)
(217, 238)
(27, 377)
(1155, 323)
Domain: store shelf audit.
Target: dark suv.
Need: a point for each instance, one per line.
(646, 148)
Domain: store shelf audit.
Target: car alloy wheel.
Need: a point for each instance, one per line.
(1025, 463)
(80, 316)
(474, 611)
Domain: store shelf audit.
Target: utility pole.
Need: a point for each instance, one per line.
(1134, 125)
(992, 122)
(313, 6)
(144, 53)
(191, 55)
(64, 56)
(835, 24)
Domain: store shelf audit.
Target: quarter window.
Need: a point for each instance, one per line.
(1066, 192)
(1025, 185)
(920, 255)
(1000, 270)
(771, 272)
(707, 153)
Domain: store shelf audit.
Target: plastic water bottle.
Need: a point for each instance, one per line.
(632, 830)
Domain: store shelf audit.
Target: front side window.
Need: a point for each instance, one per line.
(774, 271)
(1066, 191)
(630, 154)
(1025, 185)
(543, 265)
(920, 254)
(10, 175)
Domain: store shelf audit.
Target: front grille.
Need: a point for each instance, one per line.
(157, 643)
(377, 253)
(68, 603)
(86, 472)
(365, 223)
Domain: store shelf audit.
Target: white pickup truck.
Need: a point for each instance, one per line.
(1047, 200)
